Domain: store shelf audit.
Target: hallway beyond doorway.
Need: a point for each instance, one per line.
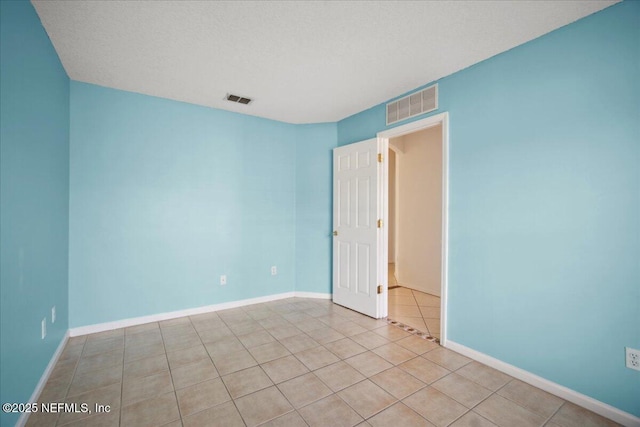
(413, 308)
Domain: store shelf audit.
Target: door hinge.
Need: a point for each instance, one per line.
(379, 223)
(380, 157)
(379, 289)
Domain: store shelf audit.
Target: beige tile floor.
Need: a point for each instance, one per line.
(413, 308)
(293, 362)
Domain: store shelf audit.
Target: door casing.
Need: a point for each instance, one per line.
(383, 138)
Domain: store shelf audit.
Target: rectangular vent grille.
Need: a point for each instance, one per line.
(412, 105)
(238, 99)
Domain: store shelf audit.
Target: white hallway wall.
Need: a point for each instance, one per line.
(419, 210)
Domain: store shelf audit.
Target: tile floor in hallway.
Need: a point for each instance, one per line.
(293, 362)
(413, 308)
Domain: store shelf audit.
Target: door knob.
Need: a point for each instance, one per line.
(335, 232)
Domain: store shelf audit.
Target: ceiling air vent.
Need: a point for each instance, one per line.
(412, 105)
(238, 99)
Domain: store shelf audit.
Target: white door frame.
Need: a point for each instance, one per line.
(383, 137)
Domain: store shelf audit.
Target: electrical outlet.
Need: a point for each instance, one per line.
(274, 270)
(53, 314)
(633, 358)
(43, 327)
(223, 279)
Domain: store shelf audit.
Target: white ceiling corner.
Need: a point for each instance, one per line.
(301, 62)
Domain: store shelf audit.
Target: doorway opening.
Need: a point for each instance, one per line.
(416, 199)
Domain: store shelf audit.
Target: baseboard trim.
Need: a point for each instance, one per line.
(317, 295)
(108, 326)
(568, 394)
(22, 421)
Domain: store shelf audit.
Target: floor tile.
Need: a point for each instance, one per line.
(263, 406)
(283, 369)
(64, 370)
(103, 345)
(391, 333)
(462, 390)
(338, 376)
(401, 300)
(370, 340)
(202, 396)
(417, 345)
(186, 356)
(223, 415)
(426, 299)
(109, 395)
(330, 411)
(398, 310)
(424, 370)
(308, 324)
(531, 398)
(570, 415)
(303, 390)
(366, 398)
(284, 331)
(436, 407)
(345, 348)
(471, 419)
(349, 329)
(292, 419)
(174, 322)
(430, 312)
(55, 390)
(397, 382)
(256, 338)
(138, 368)
(225, 345)
(147, 366)
(100, 361)
(246, 381)
(316, 358)
(368, 363)
(132, 330)
(484, 375)
(325, 335)
(399, 415)
(135, 389)
(505, 413)
(194, 373)
(447, 358)
(95, 379)
(299, 343)
(268, 352)
(178, 342)
(153, 412)
(394, 354)
(142, 352)
(232, 362)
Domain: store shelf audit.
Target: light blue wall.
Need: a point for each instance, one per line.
(168, 196)
(544, 219)
(314, 160)
(34, 213)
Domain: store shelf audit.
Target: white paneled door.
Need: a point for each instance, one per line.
(357, 235)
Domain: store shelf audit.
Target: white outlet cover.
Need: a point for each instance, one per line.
(223, 280)
(633, 358)
(53, 314)
(274, 270)
(43, 327)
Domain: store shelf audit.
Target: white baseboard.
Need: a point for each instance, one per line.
(568, 394)
(317, 295)
(108, 326)
(44, 378)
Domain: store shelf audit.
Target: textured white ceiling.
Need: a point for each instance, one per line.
(301, 62)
